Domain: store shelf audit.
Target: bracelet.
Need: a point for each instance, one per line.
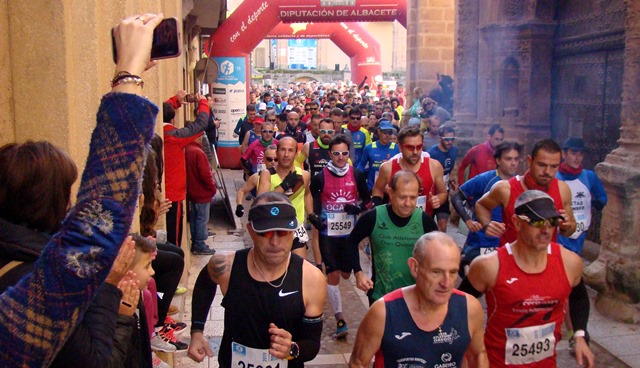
(129, 79)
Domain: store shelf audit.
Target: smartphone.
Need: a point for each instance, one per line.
(166, 41)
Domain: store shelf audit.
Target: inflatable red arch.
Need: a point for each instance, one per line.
(250, 23)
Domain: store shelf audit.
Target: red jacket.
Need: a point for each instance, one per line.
(200, 185)
(175, 140)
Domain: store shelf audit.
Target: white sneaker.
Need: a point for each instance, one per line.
(157, 362)
(159, 344)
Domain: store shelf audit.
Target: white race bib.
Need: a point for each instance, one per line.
(529, 344)
(339, 223)
(246, 357)
(581, 205)
(422, 202)
(301, 234)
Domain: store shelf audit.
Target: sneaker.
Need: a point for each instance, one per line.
(203, 251)
(157, 362)
(173, 310)
(180, 290)
(342, 329)
(167, 335)
(159, 344)
(178, 327)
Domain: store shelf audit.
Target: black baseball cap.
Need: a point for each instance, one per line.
(574, 143)
(273, 216)
(536, 205)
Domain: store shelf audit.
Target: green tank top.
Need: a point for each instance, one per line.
(392, 246)
(297, 198)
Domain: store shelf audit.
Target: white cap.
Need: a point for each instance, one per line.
(262, 106)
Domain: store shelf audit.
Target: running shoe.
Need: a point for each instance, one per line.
(203, 252)
(342, 330)
(180, 290)
(173, 310)
(178, 327)
(159, 344)
(167, 335)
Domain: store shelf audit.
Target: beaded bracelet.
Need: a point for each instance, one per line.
(133, 79)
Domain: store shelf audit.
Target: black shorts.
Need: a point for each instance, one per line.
(334, 253)
(443, 211)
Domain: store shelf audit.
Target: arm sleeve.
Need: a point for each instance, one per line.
(317, 182)
(174, 102)
(309, 339)
(466, 160)
(428, 225)
(579, 306)
(362, 229)
(599, 194)
(90, 235)
(456, 201)
(203, 293)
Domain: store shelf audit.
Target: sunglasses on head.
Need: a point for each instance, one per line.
(269, 234)
(338, 153)
(327, 131)
(553, 222)
(417, 147)
(268, 131)
(449, 139)
(271, 159)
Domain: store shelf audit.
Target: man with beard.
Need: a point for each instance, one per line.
(528, 282)
(433, 191)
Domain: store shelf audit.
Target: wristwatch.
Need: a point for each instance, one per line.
(294, 351)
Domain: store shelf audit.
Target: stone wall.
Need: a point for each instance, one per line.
(430, 40)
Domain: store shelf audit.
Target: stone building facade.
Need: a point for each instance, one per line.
(559, 68)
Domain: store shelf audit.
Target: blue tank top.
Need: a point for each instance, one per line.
(405, 345)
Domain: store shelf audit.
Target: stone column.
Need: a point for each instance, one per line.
(616, 272)
(466, 64)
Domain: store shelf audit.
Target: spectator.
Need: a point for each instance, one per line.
(200, 191)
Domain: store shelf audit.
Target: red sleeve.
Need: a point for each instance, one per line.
(174, 101)
(466, 161)
(204, 171)
(203, 106)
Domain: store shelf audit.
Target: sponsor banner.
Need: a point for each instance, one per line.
(229, 97)
(343, 10)
(303, 54)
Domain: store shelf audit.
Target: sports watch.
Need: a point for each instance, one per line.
(294, 351)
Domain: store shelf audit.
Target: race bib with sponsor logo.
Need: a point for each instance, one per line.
(246, 357)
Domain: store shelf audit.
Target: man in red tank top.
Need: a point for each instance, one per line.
(543, 164)
(433, 191)
(527, 284)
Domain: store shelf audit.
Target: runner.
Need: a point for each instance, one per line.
(543, 165)
(528, 283)
(430, 172)
(507, 158)
(273, 299)
(270, 160)
(393, 230)
(294, 183)
(336, 191)
(426, 324)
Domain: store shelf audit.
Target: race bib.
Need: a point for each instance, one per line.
(422, 202)
(446, 181)
(487, 250)
(339, 223)
(261, 167)
(301, 234)
(246, 357)
(529, 344)
(582, 224)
